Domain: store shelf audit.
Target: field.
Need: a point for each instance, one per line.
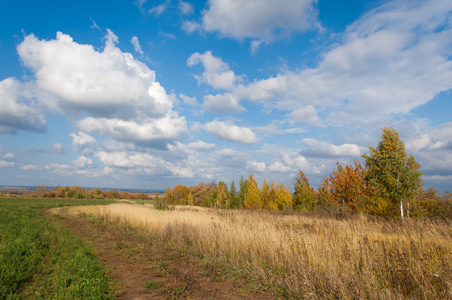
(197, 253)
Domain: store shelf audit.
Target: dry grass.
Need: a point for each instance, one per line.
(306, 256)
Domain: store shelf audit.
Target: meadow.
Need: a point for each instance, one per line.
(287, 254)
(40, 259)
(300, 256)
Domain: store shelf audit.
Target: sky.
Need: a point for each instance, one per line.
(150, 93)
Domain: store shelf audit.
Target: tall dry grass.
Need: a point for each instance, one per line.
(303, 256)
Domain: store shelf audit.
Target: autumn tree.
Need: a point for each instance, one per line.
(394, 175)
(304, 195)
(266, 197)
(347, 186)
(325, 200)
(253, 196)
(283, 196)
(222, 195)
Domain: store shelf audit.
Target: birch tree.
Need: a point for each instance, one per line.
(394, 175)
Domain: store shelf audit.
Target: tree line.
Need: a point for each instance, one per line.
(78, 192)
(389, 184)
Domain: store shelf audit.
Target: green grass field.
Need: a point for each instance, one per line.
(41, 259)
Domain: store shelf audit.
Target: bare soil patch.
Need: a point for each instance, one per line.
(148, 272)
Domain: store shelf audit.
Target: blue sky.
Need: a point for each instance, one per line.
(150, 94)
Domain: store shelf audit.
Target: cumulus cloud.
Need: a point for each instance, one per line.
(147, 131)
(431, 146)
(117, 94)
(108, 82)
(17, 112)
(107, 171)
(122, 159)
(279, 167)
(188, 100)
(81, 138)
(266, 20)
(229, 131)
(178, 171)
(316, 148)
(222, 103)
(82, 162)
(255, 166)
(216, 71)
(306, 114)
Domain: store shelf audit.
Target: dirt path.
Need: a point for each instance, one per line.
(146, 272)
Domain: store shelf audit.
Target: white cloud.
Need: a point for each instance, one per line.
(178, 171)
(31, 168)
(17, 112)
(82, 162)
(185, 8)
(190, 26)
(148, 131)
(9, 156)
(6, 164)
(306, 114)
(58, 148)
(188, 100)
(254, 47)
(122, 159)
(136, 45)
(216, 72)
(117, 94)
(316, 148)
(279, 167)
(431, 147)
(392, 60)
(266, 20)
(255, 166)
(104, 83)
(160, 9)
(107, 171)
(229, 131)
(222, 103)
(82, 138)
(94, 25)
(201, 146)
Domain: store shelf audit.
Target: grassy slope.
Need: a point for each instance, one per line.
(41, 259)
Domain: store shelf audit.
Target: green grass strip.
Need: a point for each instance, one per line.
(42, 260)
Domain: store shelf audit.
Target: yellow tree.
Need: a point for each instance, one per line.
(222, 194)
(284, 197)
(266, 197)
(273, 195)
(190, 198)
(253, 195)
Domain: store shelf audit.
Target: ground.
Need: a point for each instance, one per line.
(147, 272)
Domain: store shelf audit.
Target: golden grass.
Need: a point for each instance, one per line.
(306, 256)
